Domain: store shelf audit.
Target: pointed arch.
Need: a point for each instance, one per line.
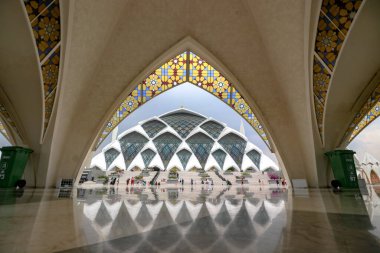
(186, 66)
(374, 178)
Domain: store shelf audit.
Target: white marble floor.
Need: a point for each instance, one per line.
(208, 219)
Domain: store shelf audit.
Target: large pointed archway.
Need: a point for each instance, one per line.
(185, 67)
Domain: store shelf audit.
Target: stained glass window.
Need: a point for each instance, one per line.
(255, 157)
(167, 76)
(147, 156)
(206, 77)
(184, 156)
(166, 145)
(131, 144)
(153, 127)
(220, 157)
(183, 123)
(110, 156)
(3, 131)
(334, 22)
(201, 146)
(366, 120)
(235, 147)
(212, 128)
(185, 67)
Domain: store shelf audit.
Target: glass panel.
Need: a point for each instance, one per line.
(3, 131)
(166, 145)
(220, 157)
(183, 123)
(235, 147)
(184, 156)
(153, 127)
(110, 156)
(131, 144)
(201, 146)
(212, 128)
(255, 157)
(165, 77)
(241, 106)
(147, 156)
(206, 77)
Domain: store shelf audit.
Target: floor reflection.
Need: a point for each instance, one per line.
(163, 220)
(372, 202)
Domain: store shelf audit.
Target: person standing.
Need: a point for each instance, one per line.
(128, 179)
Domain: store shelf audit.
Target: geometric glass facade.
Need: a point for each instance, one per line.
(183, 123)
(184, 156)
(219, 156)
(235, 146)
(201, 146)
(147, 156)
(166, 145)
(131, 144)
(203, 136)
(110, 156)
(255, 157)
(153, 127)
(212, 128)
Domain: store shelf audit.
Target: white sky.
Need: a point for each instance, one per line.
(193, 98)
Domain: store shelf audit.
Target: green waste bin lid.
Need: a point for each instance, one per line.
(340, 151)
(15, 148)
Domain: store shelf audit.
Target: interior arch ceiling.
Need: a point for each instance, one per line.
(334, 22)
(45, 21)
(185, 67)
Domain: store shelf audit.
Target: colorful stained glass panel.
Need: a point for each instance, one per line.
(328, 42)
(3, 131)
(321, 80)
(35, 7)
(341, 12)
(50, 71)
(208, 78)
(167, 76)
(47, 30)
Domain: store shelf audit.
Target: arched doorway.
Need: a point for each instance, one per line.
(374, 178)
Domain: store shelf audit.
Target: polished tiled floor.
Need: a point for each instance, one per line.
(219, 219)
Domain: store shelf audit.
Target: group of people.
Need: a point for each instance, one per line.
(132, 180)
(282, 180)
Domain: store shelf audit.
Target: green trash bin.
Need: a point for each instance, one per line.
(12, 165)
(343, 166)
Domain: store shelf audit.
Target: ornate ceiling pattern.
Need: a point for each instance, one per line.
(44, 17)
(185, 67)
(336, 17)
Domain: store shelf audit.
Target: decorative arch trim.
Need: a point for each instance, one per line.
(335, 20)
(45, 23)
(184, 67)
(367, 114)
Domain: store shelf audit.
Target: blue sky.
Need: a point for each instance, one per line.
(191, 97)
